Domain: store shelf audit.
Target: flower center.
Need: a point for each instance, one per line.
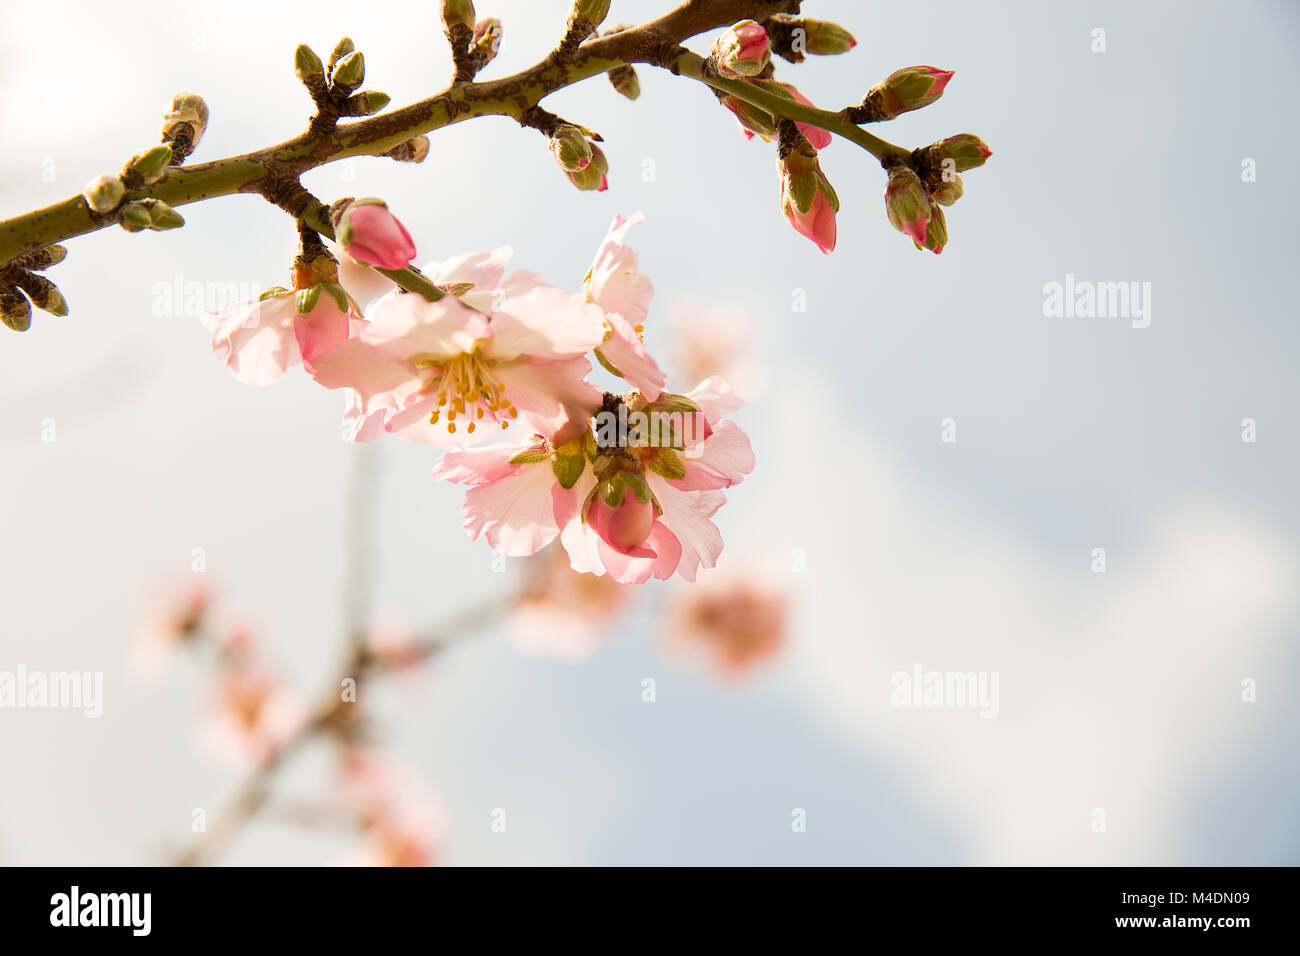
(467, 389)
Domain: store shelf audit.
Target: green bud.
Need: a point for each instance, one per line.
(570, 148)
(625, 81)
(412, 151)
(364, 104)
(307, 64)
(823, 38)
(349, 73)
(134, 216)
(458, 13)
(907, 203)
(55, 303)
(910, 88)
(936, 233)
(965, 150)
(161, 215)
(104, 193)
(151, 165)
(948, 191)
(15, 310)
(344, 47)
(43, 294)
(593, 177)
(38, 260)
(593, 11)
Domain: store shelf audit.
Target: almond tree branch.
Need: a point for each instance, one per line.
(268, 170)
(332, 715)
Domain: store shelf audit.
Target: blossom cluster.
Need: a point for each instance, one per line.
(627, 482)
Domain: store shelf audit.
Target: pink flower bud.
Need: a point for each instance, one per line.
(594, 174)
(807, 199)
(626, 527)
(369, 233)
(908, 89)
(907, 203)
(965, 150)
(743, 50)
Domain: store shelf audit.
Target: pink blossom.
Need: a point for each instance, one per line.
(433, 372)
(176, 620)
(624, 293)
(518, 503)
(402, 821)
(261, 339)
(369, 233)
(735, 618)
(252, 718)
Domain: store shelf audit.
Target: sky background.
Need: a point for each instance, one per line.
(1119, 691)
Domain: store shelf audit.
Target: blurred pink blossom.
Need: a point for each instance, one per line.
(252, 717)
(734, 618)
(562, 613)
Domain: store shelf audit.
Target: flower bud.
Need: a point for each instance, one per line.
(342, 49)
(907, 203)
(570, 148)
(948, 191)
(150, 214)
(308, 65)
(44, 294)
(162, 216)
(15, 310)
(625, 81)
(364, 104)
(349, 73)
(104, 193)
(186, 108)
(823, 38)
(621, 518)
(458, 13)
(743, 50)
(907, 89)
(38, 260)
(414, 150)
(966, 150)
(936, 233)
(808, 199)
(593, 11)
(593, 176)
(149, 166)
(369, 233)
